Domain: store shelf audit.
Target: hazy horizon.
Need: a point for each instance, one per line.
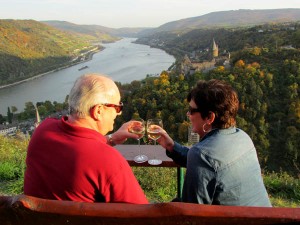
(126, 13)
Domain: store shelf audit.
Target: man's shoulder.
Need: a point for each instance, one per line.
(47, 125)
(49, 121)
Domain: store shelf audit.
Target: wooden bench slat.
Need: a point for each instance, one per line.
(27, 210)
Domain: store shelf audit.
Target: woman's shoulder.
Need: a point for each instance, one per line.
(225, 141)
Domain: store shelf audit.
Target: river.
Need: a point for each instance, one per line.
(123, 61)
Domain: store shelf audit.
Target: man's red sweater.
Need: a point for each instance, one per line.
(67, 162)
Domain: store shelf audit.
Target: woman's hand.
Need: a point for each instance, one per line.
(165, 140)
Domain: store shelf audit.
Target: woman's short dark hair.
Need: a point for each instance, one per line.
(216, 96)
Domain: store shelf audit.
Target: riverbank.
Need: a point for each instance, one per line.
(88, 56)
(123, 61)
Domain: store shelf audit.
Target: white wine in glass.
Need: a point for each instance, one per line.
(137, 126)
(153, 133)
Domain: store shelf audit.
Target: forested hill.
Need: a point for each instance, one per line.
(28, 48)
(267, 83)
(272, 36)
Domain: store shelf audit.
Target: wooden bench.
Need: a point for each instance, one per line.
(26, 210)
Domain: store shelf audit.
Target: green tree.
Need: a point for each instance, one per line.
(49, 106)
(2, 119)
(9, 115)
(29, 111)
(14, 109)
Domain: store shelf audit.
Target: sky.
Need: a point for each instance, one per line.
(127, 13)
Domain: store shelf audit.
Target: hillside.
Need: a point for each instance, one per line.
(29, 48)
(269, 36)
(104, 33)
(233, 18)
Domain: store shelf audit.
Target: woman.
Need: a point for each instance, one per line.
(223, 168)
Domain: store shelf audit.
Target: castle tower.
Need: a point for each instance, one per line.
(186, 65)
(215, 49)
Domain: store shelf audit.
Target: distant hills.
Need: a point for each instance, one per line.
(95, 30)
(100, 33)
(232, 18)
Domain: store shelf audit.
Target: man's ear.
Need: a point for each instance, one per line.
(96, 112)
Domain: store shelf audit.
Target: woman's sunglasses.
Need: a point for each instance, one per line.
(191, 110)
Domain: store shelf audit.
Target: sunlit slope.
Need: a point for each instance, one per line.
(32, 39)
(28, 47)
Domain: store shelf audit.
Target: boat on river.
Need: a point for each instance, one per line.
(82, 68)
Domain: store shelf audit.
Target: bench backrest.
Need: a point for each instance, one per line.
(26, 210)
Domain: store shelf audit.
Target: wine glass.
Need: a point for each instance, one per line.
(137, 126)
(153, 133)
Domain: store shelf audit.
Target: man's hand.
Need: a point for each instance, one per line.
(121, 135)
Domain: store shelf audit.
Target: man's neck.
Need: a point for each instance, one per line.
(84, 122)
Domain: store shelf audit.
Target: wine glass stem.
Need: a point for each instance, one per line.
(139, 146)
(154, 149)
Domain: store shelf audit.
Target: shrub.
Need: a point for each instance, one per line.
(9, 171)
(283, 186)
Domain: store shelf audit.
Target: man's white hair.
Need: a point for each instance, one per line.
(88, 91)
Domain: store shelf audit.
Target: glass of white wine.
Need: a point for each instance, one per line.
(137, 126)
(153, 133)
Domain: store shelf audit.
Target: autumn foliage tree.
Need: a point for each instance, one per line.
(268, 89)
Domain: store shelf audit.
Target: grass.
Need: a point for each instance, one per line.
(159, 183)
(283, 189)
(12, 164)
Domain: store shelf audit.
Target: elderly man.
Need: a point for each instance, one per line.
(71, 159)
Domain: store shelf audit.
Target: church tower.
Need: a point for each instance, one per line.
(37, 117)
(215, 49)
